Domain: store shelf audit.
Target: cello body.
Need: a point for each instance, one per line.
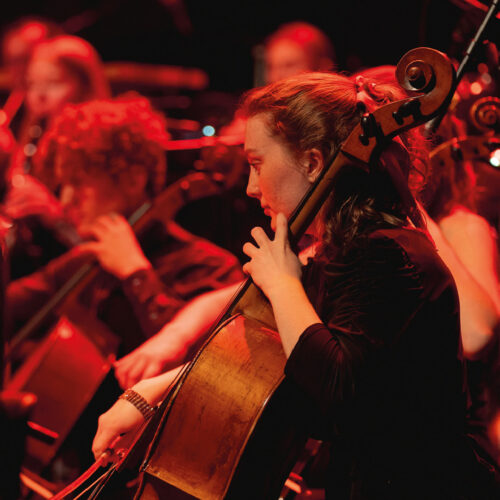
(243, 435)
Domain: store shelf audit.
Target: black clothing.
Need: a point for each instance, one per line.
(385, 371)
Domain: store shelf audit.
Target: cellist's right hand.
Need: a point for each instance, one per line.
(123, 417)
(120, 419)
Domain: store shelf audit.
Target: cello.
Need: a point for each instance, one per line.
(226, 430)
(485, 116)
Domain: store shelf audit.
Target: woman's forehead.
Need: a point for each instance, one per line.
(257, 132)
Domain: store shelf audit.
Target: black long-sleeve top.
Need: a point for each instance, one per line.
(385, 372)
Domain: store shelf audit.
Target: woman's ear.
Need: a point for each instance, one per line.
(313, 163)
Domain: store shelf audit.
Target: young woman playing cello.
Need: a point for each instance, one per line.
(369, 325)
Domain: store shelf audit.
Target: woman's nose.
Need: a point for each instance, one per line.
(253, 185)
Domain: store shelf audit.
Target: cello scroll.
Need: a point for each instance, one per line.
(429, 75)
(485, 114)
(426, 72)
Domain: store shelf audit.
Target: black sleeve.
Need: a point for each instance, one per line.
(27, 295)
(368, 304)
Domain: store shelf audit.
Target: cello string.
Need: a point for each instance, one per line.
(163, 411)
(103, 477)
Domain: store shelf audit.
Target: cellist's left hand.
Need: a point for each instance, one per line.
(116, 247)
(277, 271)
(272, 262)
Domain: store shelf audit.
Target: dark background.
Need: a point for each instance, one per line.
(365, 33)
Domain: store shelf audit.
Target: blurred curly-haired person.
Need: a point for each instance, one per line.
(108, 157)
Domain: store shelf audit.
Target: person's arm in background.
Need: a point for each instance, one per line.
(465, 243)
(26, 296)
(182, 268)
(174, 342)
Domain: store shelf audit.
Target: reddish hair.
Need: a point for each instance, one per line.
(111, 136)
(311, 39)
(312, 110)
(319, 110)
(79, 58)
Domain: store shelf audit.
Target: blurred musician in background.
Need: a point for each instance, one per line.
(294, 48)
(109, 158)
(18, 41)
(60, 70)
(468, 244)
